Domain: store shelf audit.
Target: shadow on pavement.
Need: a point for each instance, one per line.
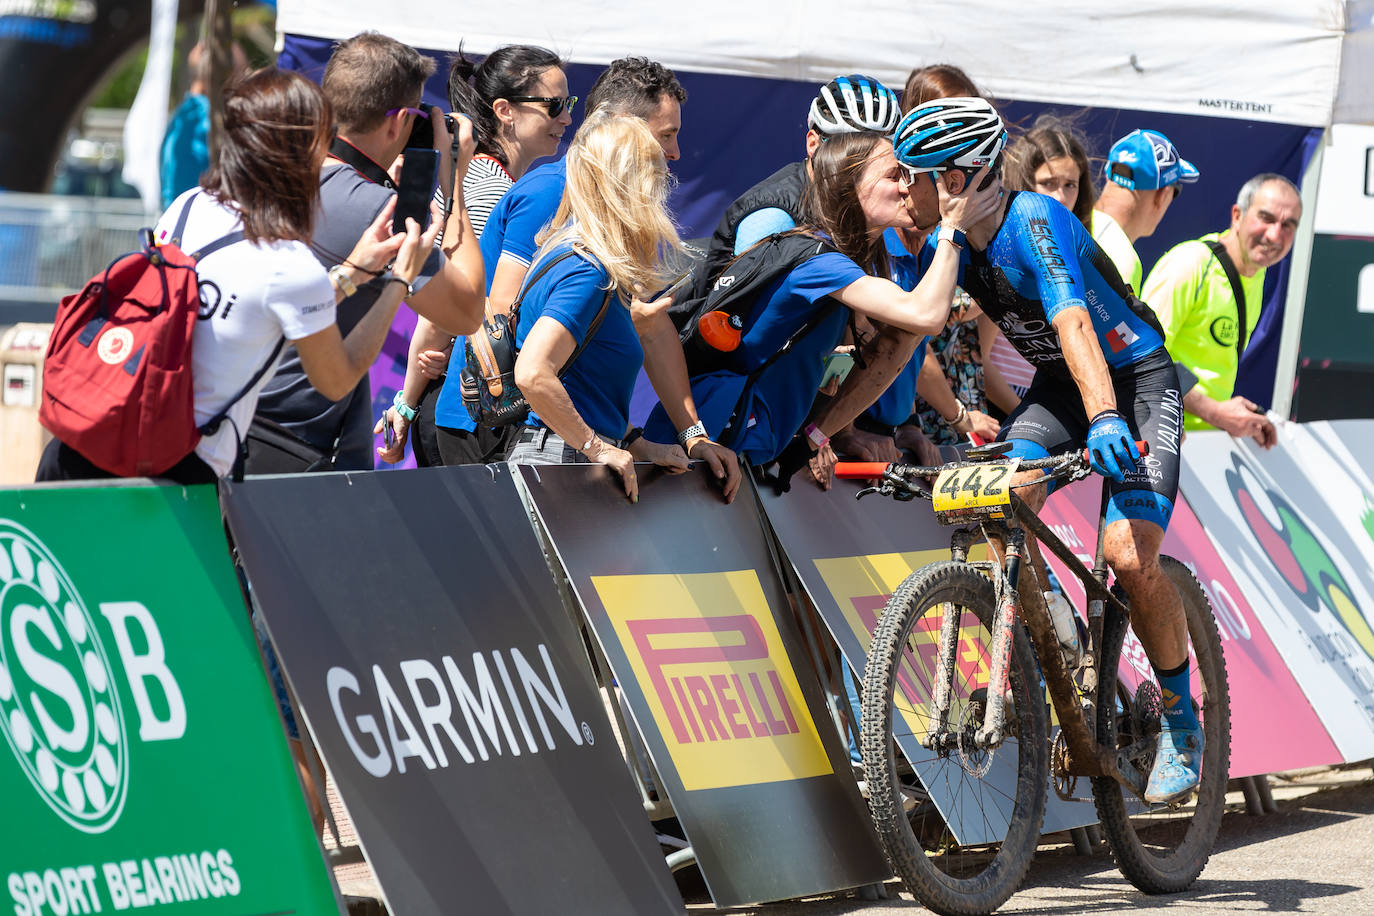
(1253, 868)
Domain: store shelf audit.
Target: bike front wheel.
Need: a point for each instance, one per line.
(969, 839)
(1162, 849)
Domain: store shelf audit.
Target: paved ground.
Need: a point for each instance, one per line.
(1314, 855)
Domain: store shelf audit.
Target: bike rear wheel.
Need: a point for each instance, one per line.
(1162, 849)
(965, 850)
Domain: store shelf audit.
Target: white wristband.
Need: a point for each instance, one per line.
(953, 236)
(691, 432)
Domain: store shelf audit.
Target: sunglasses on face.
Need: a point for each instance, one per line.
(910, 174)
(1177, 191)
(419, 112)
(556, 105)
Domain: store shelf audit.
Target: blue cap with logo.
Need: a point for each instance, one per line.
(1145, 160)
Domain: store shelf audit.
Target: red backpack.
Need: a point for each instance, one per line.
(117, 383)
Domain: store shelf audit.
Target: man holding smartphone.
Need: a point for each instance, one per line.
(374, 84)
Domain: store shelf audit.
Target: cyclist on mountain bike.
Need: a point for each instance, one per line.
(1103, 378)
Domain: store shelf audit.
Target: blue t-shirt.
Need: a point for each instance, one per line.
(516, 219)
(1041, 262)
(602, 379)
(514, 222)
(784, 392)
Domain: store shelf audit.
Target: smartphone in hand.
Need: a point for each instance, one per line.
(673, 289)
(837, 366)
(415, 190)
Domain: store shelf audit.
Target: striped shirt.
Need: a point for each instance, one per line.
(485, 183)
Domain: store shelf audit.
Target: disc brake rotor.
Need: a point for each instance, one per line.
(973, 759)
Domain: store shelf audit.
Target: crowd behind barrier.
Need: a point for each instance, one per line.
(518, 130)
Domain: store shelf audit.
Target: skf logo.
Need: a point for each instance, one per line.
(708, 655)
(59, 695)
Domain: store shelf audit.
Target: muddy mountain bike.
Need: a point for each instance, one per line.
(954, 682)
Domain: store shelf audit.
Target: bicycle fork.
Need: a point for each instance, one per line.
(991, 732)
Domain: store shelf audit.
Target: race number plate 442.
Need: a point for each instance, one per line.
(974, 491)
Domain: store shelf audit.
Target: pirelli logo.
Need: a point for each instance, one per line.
(706, 652)
(861, 587)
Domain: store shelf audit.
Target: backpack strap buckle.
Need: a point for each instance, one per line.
(148, 243)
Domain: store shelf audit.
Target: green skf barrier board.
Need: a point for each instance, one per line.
(143, 763)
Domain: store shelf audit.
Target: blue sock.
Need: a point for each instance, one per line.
(1177, 706)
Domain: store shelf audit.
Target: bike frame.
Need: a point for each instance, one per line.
(1087, 755)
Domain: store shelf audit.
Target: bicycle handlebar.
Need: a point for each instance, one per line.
(861, 470)
(869, 470)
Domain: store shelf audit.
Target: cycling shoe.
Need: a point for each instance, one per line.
(1178, 764)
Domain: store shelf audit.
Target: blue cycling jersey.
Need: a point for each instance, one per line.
(1042, 261)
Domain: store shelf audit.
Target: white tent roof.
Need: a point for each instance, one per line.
(1288, 61)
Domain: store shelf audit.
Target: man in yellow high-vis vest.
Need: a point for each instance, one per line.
(1195, 296)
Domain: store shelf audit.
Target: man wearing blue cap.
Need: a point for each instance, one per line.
(1144, 175)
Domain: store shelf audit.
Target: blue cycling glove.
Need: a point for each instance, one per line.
(1111, 447)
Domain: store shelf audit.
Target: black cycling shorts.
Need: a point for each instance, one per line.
(1050, 420)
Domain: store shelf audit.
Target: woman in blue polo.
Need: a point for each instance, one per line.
(857, 191)
(604, 245)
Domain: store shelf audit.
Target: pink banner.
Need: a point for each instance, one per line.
(1273, 727)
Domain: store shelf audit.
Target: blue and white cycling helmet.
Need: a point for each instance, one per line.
(963, 133)
(849, 104)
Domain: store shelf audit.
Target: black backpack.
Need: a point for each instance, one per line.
(728, 307)
(487, 382)
(711, 323)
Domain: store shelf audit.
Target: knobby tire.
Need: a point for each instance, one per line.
(1164, 851)
(949, 879)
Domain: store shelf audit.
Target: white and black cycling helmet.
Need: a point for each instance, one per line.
(849, 104)
(963, 133)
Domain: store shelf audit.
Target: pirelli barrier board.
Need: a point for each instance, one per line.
(449, 692)
(681, 593)
(850, 556)
(1265, 698)
(143, 763)
(1295, 526)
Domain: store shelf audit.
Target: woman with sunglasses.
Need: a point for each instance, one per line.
(262, 283)
(581, 347)
(858, 191)
(518, 100)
